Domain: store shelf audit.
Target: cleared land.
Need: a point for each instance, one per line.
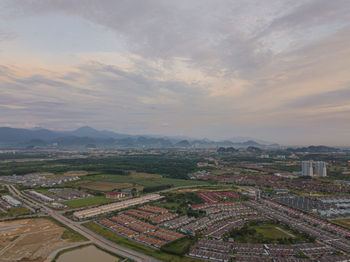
(92, 201)
(134, 245)
(32, 239)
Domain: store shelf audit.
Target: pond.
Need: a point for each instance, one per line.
(87, 254)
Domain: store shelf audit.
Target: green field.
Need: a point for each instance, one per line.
(169, 206)
(143, 181)
(16, 211)
(342, 222)
(179, 247)
(134, 245)
(179, 202)
(272, 231)
(92, 201)
(268, 233)
(72, 236)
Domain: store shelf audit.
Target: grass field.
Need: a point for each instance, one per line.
(16, 211)
(342, 222)
(143, 181)
(179, 247)
(103, 185)
(134, 245)
(272, 231)
(92, 201)
(170, 206)
(72, 236)
(135, 174)
(266, 232)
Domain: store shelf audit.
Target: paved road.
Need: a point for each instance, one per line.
(100, 241)
(28, 203)
(181, 187)
(93, 238)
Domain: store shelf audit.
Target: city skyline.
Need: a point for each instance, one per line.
(276, 70)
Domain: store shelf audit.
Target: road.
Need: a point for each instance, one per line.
(76, 226)
(181, 187)
(93, 237)
(28, 203)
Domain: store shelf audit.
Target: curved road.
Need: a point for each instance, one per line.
(93, 237)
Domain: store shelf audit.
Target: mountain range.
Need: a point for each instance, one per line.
(87, 136)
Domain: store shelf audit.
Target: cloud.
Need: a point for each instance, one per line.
(206, 68)
(208, 34)
(6, 35)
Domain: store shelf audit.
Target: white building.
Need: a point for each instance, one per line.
(96, 211)
(41, 196)
(10, 200)
(306, 168)
(321, 168)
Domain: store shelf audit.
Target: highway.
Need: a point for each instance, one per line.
(93, 237)
(26, 202)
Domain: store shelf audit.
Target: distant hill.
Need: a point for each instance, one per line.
(17, 135)
(87, 131)
(314, 149)
(241, 139)
(87, 136)
(226, 150)
(183, 143)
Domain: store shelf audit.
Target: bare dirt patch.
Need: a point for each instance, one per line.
(29, 239)
(104, 185)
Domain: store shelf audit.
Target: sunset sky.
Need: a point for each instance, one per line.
(277, 70)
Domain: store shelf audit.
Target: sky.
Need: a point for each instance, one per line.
(277, 70)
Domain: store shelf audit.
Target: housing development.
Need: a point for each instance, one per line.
(187, 205)
(174, 130)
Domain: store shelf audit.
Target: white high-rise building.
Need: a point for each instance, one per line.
(320, 168)
(306, 168)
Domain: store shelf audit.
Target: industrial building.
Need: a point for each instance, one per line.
(115, 195)
(40, 196)
(11, 201)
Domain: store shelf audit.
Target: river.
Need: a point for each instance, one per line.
(87, 254)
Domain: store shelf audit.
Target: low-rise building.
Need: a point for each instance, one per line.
(11, 201)
(115, 195)
(87, 213)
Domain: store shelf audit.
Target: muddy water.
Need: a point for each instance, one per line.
(86, 254)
